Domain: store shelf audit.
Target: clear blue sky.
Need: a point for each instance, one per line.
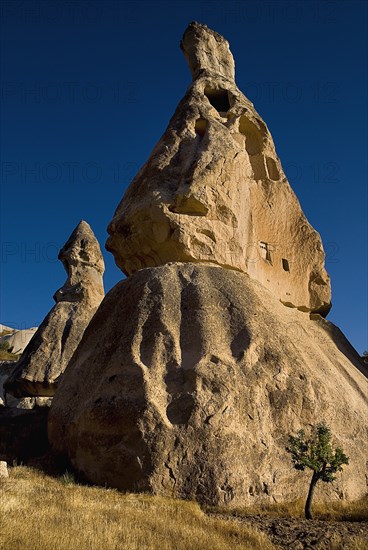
(89, 87)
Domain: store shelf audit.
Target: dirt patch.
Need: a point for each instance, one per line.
(301, 534)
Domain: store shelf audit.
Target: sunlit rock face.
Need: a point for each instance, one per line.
(196, 378)
(192, 372)
(213, 190)
(50, 349)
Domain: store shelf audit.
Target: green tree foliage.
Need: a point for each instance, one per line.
(316, 452)
(5, 346)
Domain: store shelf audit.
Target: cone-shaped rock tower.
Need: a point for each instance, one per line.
(214, 191)
(50, 349)
(199, 371)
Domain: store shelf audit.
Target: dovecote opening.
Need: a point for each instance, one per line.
(200, 126)
(265, 251)
(219, 99)
(285, 265)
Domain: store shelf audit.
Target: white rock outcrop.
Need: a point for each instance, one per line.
(18, 339)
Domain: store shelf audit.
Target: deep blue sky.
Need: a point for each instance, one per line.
(89, 87)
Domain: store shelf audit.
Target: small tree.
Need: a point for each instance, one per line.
(316, 453)
(5, 346)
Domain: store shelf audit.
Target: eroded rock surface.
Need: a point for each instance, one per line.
(206, 50)
(197, 378)
(48, 353)
(199, 372)
(6, 368)
(18, 339)
(214, 190)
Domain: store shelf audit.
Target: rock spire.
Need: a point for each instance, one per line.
(214, 191)
(49, 351)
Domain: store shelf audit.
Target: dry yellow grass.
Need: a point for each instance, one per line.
(6, 356)
(38, 512)
(343, 511)
(354, 543)
(334, 510)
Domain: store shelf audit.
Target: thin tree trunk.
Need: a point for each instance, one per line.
(308, 504)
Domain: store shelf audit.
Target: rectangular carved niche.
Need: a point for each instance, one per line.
(265, 251)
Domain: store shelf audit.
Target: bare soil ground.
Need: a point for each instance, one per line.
(302, 534)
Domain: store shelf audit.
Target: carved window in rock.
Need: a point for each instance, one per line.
(219, 99)
(265, 251)
(253, 141)
(200, 126)
(285, 265)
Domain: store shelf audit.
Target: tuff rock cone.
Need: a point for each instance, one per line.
(199, 372)
(50, 349)
(214, 191)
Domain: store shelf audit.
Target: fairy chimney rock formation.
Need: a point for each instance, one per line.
(199, 372)
(214, 191)
(49, 351)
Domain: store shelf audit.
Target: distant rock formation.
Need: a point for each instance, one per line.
(18, 339)
(214, 191)
(52, 346)
(5, 329)
(200, 372)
